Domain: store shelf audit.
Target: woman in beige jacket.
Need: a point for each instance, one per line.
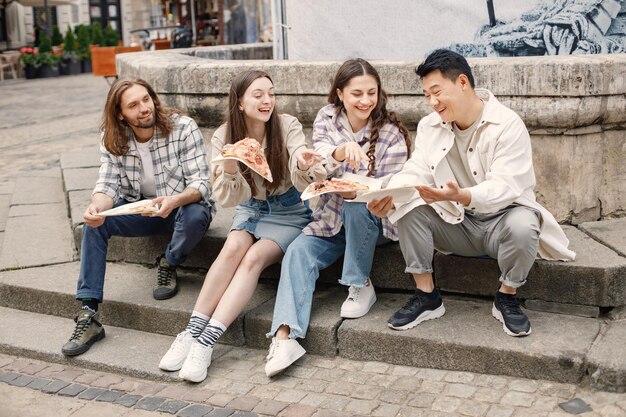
(268, 216)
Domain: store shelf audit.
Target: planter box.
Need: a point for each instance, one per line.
(30, 72)
(85, 66)
(47, 71)
(70, 67)
(103, 58)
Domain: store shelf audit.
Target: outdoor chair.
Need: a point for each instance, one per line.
(9, 60)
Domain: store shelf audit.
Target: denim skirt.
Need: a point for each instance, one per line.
(280, 218)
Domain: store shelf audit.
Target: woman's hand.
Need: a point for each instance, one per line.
(307, 158)
(351, 152)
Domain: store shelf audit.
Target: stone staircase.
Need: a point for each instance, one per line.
(577, 309)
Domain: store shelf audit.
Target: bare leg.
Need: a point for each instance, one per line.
(424, 282)
(222, 271)
(283, 332)
(260, 255)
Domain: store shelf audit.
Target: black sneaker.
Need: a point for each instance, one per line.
(88, 331)
(419, 308)
(506, 308)
(166, 286)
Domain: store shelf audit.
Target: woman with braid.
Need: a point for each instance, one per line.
(354, 134)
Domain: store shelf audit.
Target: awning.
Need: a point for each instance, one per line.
(40, 3)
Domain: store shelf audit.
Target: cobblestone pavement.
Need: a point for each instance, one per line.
(39, 119)
(317, 387)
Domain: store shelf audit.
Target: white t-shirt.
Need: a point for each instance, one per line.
(147, 182)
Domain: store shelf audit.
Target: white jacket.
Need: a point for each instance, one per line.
(500, 158)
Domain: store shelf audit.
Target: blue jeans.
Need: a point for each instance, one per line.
(307, 255)
(187, 225)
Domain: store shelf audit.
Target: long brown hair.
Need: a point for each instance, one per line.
(117, 133)
(275, 151)
(379, 115)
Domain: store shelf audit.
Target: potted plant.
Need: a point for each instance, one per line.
(27, 58)
(57, 37)
(96, 34)
(70, 59)
(83, 40)
(111, 37)
(47, 63)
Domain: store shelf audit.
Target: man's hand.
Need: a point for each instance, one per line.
(167, 204)
(380, 208)
(307, 158)
(352, 153)
(451, 192)
(91, 218)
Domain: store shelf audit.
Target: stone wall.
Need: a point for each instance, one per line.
(574, 107)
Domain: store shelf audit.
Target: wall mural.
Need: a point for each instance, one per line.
(553, 27)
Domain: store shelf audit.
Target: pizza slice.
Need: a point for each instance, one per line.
(333, 185)
(250, 152)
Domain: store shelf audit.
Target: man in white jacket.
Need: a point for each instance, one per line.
(475, 155)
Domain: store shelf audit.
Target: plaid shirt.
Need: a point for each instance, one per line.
(179, 161)
(331, 129)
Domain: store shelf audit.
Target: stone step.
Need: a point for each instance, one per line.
(125, 351)
(561, 348)
(127, 293)
(593, 280)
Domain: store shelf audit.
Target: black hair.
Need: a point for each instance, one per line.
(449, 63)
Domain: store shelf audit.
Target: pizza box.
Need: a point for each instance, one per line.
(401, 194)
(138, 207)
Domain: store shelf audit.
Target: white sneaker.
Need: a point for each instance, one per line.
(195, 367)
(282, 354)
(359, 301)
(175, 356)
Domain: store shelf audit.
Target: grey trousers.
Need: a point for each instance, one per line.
(510, 235)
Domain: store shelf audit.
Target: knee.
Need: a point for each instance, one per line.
(252, 261)
(234, 247)
(521, 227)
(194, 215)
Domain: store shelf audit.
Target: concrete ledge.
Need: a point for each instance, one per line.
(468, 338)
(607, 361)
(128, 298)
(124, 351)
(595, 278)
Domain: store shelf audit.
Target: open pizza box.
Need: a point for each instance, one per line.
(367, 189)
(138, 207)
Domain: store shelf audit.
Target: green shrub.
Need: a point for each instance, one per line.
(96, 34)
(57, 38)
(70, 46)
(111, 36)
(83, 41)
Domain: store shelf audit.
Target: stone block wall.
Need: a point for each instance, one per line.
(574, 107)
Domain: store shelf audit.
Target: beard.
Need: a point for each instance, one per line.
(145, 124)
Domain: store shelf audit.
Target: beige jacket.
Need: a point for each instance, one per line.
(500, 158)
(232, 189)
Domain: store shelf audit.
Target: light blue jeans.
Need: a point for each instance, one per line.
(307, 255)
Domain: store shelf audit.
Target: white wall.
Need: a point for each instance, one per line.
(386, 29)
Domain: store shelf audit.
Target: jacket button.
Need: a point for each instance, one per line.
(444, 149)
(458, 220)
(441, 186)
(471, 149)
(432, 167)
(473, 208)
(475, 173)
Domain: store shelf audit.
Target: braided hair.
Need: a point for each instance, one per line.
(379, 115)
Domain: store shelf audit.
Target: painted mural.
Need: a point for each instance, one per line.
(553, 27)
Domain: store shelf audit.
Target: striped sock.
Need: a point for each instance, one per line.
(197, 323)
(211, 333)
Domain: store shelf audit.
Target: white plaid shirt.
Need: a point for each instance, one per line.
(179, 162)
(330, 130)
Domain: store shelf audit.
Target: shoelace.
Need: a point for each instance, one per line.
(353, 293)
(411, 303)
(510, 306)
(165, 275)
(273, 348)
(198, 356)
(81, 327)
(178, 343)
